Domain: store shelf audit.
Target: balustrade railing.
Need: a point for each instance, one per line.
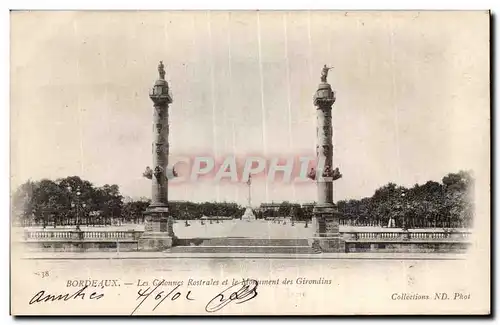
(125, 235)
(406, 235)
(416, 224)
(92, 235)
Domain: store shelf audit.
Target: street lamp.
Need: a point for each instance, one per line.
(77, 204)
(404, 205)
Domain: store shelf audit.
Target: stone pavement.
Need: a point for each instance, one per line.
(164, 255)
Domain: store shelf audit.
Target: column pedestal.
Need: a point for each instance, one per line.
(327, 237)
(158, 231)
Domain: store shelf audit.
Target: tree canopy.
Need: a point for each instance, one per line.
(71, 200)
(433, 204)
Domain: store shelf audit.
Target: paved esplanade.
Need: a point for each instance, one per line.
(241, 228)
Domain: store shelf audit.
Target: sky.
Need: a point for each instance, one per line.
(412, 94)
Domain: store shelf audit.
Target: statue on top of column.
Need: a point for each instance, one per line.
(161, 70)
(324, 73)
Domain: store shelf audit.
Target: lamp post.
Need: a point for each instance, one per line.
(404, 207)
(76, 204)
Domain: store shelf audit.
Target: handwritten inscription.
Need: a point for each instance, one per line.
(42, 296)
(160, 295)
(239, 293)
(162, 292)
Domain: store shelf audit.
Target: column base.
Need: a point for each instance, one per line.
(158, 230)
(328, 244)
(327, 237)
(155, 242)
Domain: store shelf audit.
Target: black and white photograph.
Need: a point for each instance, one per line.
(215, 162)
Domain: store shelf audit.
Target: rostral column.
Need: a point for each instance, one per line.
(158, 231)
(326, 217)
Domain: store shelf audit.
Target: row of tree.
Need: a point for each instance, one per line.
(286, 210)
(433, 204)
(66, 201)
(71, 201)
(190, 210)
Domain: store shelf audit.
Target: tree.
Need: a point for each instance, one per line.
(48, 202)
(133, 211)
(458, 198)
(109, 201)
(284, 209)
(23, 205)
(307, 210)
(426, 204)
(64, 201)
(79, 197)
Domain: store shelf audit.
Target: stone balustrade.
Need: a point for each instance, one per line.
(352, 236)
(413, 236)
(356, 240)
(71, 235)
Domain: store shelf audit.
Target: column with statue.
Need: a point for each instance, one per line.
(158, 231)
(326, 217)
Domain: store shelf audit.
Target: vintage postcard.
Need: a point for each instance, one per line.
(250, 162)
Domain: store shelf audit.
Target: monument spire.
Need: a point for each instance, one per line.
(249, 183)
(249, 215)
